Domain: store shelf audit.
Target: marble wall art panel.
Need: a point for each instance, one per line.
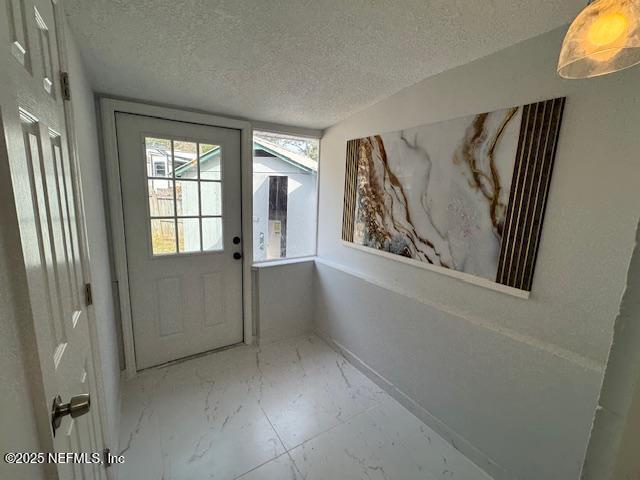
(467, 194)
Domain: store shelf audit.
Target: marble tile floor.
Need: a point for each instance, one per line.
(293, 409)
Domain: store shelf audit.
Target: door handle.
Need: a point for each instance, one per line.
(237, 255)
(77, 406)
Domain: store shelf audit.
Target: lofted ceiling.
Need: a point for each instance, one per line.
(307, 63)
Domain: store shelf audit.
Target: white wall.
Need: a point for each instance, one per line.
(84, 111)
(514, 382)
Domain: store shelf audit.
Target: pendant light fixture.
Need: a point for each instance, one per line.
(604, 38)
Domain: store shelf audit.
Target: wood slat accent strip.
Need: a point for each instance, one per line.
(350, 184)
(504, 263)
(542, 194)
(539, 133)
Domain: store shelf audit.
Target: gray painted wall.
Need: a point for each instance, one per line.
(517, 410)
(84, 112)
(627, 461)
(284, 300)
(615, 439)
(513, 382)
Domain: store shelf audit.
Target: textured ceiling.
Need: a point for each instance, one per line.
(298, 62)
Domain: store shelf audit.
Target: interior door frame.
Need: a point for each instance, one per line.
(108, 109)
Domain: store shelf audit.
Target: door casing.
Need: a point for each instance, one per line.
(108, 109)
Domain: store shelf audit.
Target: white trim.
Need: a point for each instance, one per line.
(282, 261)
(287, 130)
(108, 109)
(246, 148)
(317, 239)
(465, 277)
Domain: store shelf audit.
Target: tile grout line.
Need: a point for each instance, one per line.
(295, 465)
(286, 451)
(156, 377)
(341, 422)
(239, 477)
(284, 447)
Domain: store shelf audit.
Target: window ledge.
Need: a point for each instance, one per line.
(285, 261)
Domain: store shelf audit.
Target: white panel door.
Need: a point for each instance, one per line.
(45, 184)
(181, 198)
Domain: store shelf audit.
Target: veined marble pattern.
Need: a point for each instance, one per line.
(439, 193)
(293, 409)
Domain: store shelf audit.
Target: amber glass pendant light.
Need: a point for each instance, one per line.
(604, 38)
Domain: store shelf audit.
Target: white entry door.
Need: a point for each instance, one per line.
(45, 185)
(181, 195)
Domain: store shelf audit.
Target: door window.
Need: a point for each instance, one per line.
(184, 186)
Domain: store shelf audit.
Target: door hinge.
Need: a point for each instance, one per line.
(64, 85)
(88, 295)
(106, 457)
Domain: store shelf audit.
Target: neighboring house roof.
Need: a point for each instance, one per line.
(182, 158)
(297, 160)
(210, 155)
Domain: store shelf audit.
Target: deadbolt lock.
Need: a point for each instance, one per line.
(77, 406)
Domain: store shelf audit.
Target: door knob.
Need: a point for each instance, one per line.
(236, 240)
(77, 406)
(237, 255)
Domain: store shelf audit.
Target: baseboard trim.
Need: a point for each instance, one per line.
(475, 455)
